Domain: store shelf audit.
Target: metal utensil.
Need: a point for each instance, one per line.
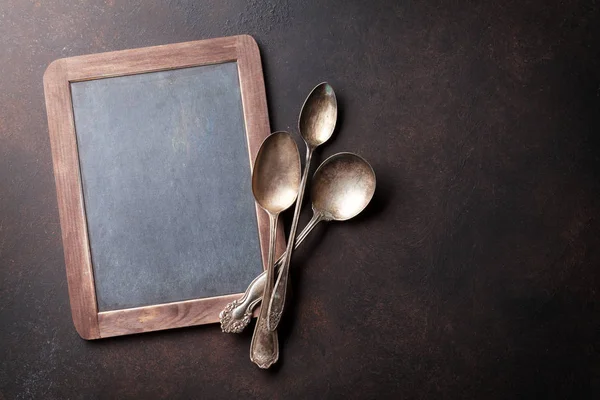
(275, 181)
(316, 125)
(342, 187)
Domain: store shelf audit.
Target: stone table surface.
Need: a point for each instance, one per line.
(474, 273)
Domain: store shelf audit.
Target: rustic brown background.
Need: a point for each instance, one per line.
(474, 273)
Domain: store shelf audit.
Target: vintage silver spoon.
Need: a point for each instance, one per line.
(316, 125)
(342, 187)
(275, 181)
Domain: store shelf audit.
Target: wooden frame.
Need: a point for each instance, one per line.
(89, 322)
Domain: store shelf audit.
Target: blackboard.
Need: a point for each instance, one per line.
(166, 185)
(153, 150)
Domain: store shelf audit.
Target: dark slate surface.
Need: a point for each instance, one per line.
(473, 275)
(166, 182)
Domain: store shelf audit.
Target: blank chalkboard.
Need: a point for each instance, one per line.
(166, 185)
(152, 150)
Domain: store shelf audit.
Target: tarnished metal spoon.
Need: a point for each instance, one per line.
(342, 187)
(275, 181)
(316, 125)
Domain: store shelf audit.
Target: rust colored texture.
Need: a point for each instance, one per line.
(473, 274)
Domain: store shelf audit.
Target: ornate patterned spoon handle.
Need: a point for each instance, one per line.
(237, 314)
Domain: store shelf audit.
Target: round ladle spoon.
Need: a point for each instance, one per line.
(316, 125)
(342, 187)
(275, 181)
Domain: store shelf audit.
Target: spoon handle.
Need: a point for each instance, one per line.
(237, 314)
(264, 349)
(278, 298)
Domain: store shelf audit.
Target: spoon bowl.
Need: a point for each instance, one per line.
(276, 174)
(342, 186)
(318, 115)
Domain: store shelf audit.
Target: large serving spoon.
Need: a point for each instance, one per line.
(316, 125)
(342, 187)
(275, 181)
